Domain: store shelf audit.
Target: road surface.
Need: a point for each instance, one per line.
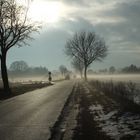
(30, 116)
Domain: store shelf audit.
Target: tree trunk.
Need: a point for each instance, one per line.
(85, 73)
(4, 74)
(81, 74)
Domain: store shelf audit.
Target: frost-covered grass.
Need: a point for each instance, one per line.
(122, 90)
(117, 125)
(114, 109)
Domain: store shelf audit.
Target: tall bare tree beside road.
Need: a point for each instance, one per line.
(78, 66)
(15, 30)
(86, 47)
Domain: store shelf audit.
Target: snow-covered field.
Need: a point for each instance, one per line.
(30, 79)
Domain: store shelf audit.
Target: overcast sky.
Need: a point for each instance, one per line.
(117, 21)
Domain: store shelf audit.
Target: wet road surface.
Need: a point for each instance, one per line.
(30, 116)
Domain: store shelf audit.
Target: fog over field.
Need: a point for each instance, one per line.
(135, 78)
(69, 69)
(117, 77)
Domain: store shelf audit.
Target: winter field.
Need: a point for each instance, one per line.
(134, 78)
(117, 77)
(114, 115)
(32, 79)
(123, 78)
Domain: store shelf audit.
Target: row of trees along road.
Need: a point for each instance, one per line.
(78, 66)
(63, 70)
(85, 48)
(15, 30)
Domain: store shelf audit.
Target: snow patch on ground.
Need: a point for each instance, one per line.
(117, 125)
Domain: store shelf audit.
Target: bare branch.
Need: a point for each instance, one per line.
(86, 47)
(15, 28)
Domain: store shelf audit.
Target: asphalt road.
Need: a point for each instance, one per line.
(30, 116)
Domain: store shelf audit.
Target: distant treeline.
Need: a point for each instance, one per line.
(128, 69)
(22, 68)
(131, 69)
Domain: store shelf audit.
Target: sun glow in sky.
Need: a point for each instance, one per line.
(45, 11)
(115, 20)
(49, 12)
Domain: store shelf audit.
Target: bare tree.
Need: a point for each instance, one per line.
(78, 66)
(87, 47)
(63, 70)
(19, 66)
(15, 29)
(112, 69)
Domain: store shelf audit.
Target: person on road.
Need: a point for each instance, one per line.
(50, 77)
